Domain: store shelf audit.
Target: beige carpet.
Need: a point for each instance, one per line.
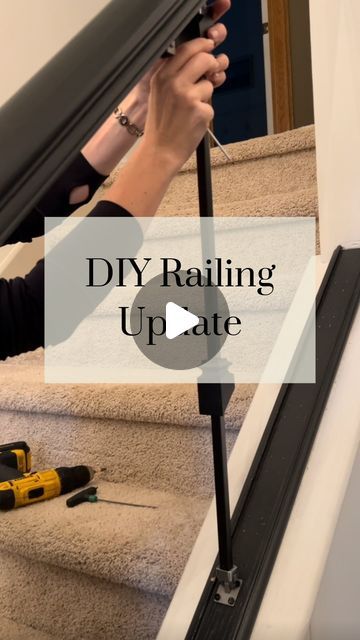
(135, 547)
(270, 176)
(71, 605)
(114, 427)
(158, 453)
(103, 572)
(11, 630)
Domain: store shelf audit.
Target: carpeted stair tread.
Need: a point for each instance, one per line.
(278, 144)
(22, 389)
(301, 202)
(144, 549)
(276, 182)
(74, 606)
(268, 176)
(10, 630)
(164, 457)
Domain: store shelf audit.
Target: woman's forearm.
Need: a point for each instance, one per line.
(143, 181)
(112, 141)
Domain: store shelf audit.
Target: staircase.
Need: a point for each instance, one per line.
(103, 571)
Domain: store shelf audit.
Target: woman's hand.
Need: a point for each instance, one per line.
(179, 115)
(217, 33)
(179, 110)
(111, 142)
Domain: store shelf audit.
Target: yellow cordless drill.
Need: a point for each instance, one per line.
(19, 487)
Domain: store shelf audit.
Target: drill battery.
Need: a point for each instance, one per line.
(15, 460)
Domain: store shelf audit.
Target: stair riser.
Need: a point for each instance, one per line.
(165, 457)
(72, 606)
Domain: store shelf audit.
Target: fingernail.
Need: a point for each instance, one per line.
(214, 34)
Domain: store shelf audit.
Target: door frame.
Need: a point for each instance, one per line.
(267, 66)
(280, 64)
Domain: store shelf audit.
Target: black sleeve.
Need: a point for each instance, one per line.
(22, 301)
(56, 201)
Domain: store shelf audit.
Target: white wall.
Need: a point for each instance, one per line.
(336, 61)
(337, 613)
(32, 31)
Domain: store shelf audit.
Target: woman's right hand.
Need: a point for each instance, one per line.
(179, 110)
(178, 117)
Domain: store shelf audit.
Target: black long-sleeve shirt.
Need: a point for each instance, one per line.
(22, 299)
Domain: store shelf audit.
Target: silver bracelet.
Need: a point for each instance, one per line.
(123, 119)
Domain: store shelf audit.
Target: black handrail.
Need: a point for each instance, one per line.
(45, 124)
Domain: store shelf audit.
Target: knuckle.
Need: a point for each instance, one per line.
(223, 62)
(204, 114)
(176, 87)
(188, 99)
(209, 113)
(202, 44)
(226, 61)
(220, 78)
(198, 117)
(194, 46)
(215, 65)
(207, 60)
(192, 99)
(209, 87)
(202, 58)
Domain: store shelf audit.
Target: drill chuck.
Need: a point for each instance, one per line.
(72, 478)
(42, 485)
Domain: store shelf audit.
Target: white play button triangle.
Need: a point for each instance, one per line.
(178, 320)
